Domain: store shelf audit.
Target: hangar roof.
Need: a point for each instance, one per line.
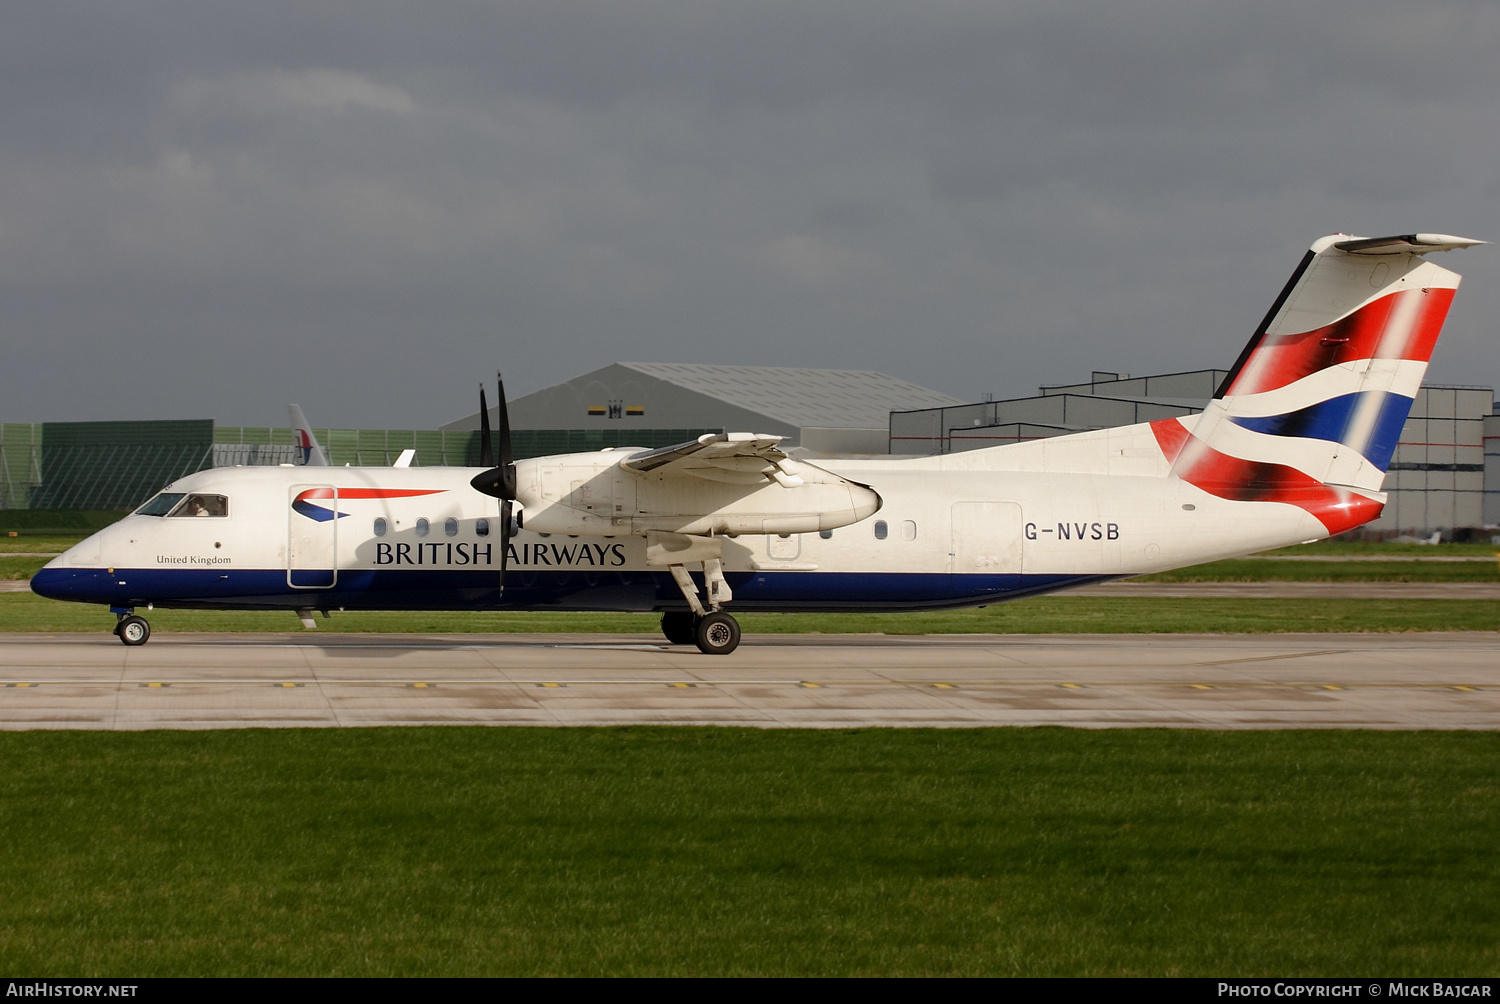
(802, 397)
(785, 398)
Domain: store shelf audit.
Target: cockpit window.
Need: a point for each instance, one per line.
(202, 505)
(160, 505)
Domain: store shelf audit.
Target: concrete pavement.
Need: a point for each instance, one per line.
(1399, 681)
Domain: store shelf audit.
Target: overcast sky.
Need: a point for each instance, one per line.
(210, 210)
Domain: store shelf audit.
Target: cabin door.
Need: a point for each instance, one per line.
(987, 539)
(312, 536)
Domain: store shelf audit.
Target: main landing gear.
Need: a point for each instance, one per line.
(703, 623)
(132, 630)
(715, 632)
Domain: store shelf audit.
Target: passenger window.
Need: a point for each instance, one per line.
(482, 527)
(826, 534)
(380, 526)
(203, 505)
(450, 527)
(880, 529)
(421, 528)
(908, 529)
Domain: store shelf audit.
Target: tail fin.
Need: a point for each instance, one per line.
(308, 450)
(1313, 408)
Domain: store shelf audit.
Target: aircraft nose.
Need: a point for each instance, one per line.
(88, 585)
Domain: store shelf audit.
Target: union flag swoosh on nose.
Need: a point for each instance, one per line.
(318, 503)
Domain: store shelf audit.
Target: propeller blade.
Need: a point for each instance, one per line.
(486, 447)
(507, 461)
(505, 517)
(500, 480)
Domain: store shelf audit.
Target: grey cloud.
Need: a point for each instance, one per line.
(209, 209)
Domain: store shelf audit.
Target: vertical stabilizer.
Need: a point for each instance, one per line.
(1313, 408)
(309, 453)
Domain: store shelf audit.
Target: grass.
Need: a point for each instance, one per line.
(54, 543)
(1269, 569)
(1044, 615)
(20, 567)
(78, 522)
(1345, 548)
(686, 851)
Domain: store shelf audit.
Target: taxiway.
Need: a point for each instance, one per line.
(1405, 681)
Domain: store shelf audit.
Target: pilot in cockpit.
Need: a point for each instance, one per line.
(205, 505)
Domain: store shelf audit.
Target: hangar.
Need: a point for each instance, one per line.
(118, 465)
(658, 404)
(1445, 473)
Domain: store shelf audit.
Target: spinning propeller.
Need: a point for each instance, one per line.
(500, 480)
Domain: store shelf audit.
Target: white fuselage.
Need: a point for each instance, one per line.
(963, 529)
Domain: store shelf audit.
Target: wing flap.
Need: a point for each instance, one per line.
(733, 457)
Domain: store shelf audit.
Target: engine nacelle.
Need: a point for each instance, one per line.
(591, 494)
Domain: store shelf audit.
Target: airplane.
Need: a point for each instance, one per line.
(1292, 448)
(309, 453)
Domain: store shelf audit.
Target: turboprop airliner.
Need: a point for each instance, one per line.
(1293, 447)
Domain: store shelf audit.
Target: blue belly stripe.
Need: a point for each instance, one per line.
(444, 589)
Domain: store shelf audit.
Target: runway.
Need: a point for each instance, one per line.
(1400, 681)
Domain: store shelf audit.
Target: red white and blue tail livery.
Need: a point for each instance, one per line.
(1293, 448)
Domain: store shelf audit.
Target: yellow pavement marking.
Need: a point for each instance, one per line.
(1330, 686)
(153, 684)
(1200, 686)
(945, 686)
(421, 686)
(288, 684)
(1071, 686)
(682, 685)
(1459, 686)
(551, 684)
(20, 685)
(809, 686)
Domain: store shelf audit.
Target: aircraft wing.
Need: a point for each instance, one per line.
(735, 457)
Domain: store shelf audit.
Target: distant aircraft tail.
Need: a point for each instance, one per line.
(1313, 408)
(309, 453)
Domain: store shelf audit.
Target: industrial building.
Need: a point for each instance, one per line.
(658, 404)
(118, 465)
(1445, 473)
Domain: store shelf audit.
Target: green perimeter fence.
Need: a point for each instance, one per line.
(118, 465)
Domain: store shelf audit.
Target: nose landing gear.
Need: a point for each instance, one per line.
(132, 630)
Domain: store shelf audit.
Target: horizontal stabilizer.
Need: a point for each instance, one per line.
(1405, 244)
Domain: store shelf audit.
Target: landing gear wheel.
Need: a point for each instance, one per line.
(717, 634)
(680, 627)
(133, 630)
